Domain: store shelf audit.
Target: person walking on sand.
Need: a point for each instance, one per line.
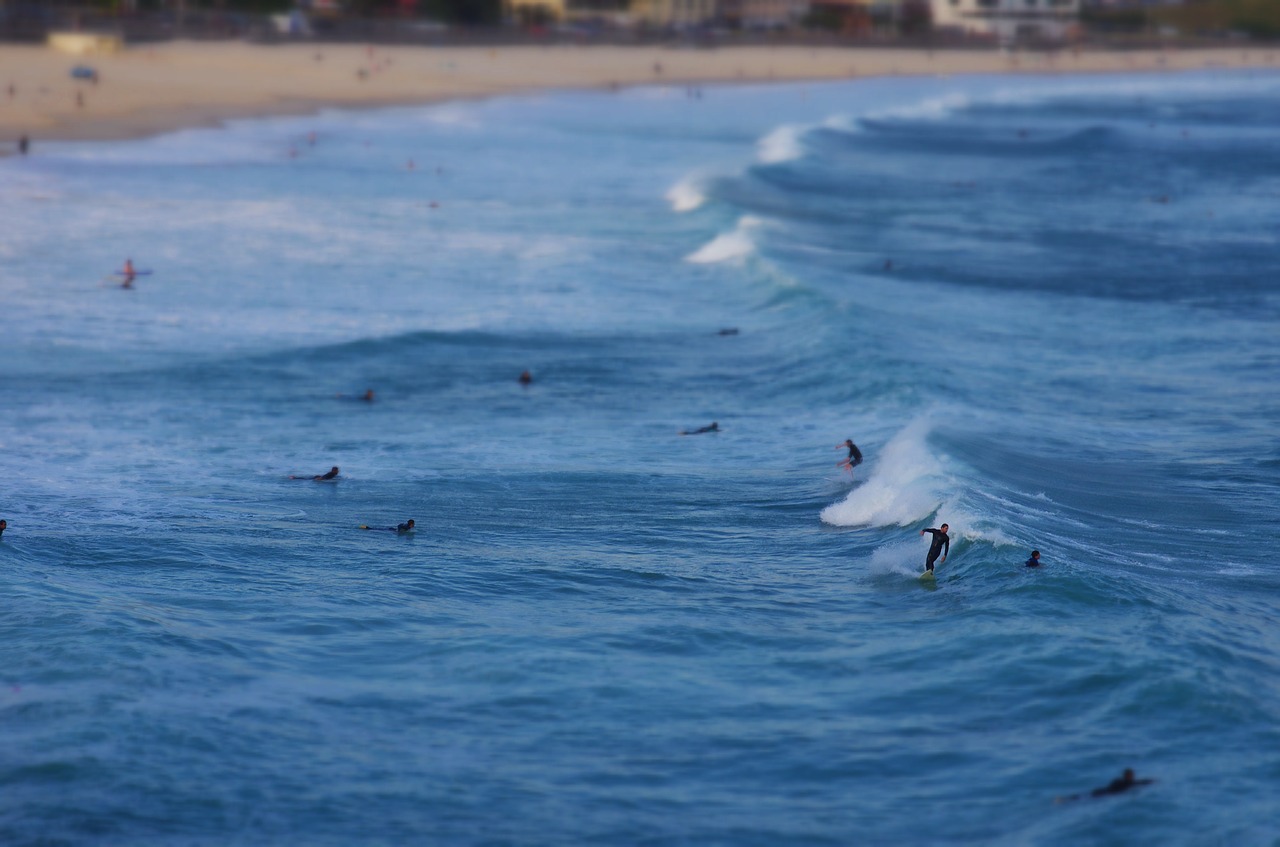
(941, 544)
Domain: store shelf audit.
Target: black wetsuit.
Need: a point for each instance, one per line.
(330, 475)
(1119, 786)
(712, 428)
(1033, 562)
(855, 455)
(940, 540)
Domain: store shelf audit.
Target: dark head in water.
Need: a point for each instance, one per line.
(3, 526)
(405, 527)
(526, 378)
(1034, 561)
(367, 396)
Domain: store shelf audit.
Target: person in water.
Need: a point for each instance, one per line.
(1119, 785)
(526, 378)
(1034, 561)
(941, 544)
(128, 273)
(399, 529)
(3, 526)
(332, 474)
(854, 458)
(715, 427)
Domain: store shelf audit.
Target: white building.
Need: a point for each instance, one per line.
(1009, 20)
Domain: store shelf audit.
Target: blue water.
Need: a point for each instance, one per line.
(1045, 308)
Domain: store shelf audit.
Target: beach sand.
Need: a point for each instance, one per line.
(156, 88)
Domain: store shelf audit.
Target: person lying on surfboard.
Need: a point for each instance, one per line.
(332, 474)
(1119, 785)
(399, 529)
(715, 427)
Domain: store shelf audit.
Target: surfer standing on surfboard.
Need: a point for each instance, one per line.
(855, 455)
(128, 273)
(940, 541)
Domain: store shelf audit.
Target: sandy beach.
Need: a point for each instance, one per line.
(156, 88)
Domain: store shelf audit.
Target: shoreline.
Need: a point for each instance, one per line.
(153, 90)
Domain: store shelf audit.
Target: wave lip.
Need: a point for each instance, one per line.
(738, 243)
(686, 195)
(782, 144)
(904, 487)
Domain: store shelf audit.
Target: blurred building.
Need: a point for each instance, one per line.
(674, 13)
(1009, 20)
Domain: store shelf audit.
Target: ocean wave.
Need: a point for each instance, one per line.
(687, 194)
(782, 144)
(905, 485)
(735, 244)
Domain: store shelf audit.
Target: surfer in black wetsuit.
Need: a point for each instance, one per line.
(3, 526)
(941, 544)
(715, 427)
(399, 529)
(332, 474)
(855, 455)
(1034, 561)
(128, 273)
(1119, 785)
(526, 378)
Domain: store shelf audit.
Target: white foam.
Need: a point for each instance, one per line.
(687, 194)
(736, 244)
(782, 145)
(902, 559)
(930, 109)
(904, 487)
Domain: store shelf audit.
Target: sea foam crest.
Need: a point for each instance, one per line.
(735, 244)
(687, 194)
(782, 145)
(931, 109)
(904, 487)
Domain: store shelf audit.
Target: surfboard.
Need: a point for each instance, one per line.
(927, 575)
(135, 273)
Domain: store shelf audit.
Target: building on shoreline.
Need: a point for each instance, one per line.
(1009, 20)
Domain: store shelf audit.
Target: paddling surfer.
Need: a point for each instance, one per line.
(714, 427)
(1119, 785)
(941, 544)
(398, 529)
(325, 477)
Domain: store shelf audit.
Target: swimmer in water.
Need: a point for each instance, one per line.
(3, 526)
(940, 541)
(854, 458)
(715, 427)
(398, 529)
(1119, 785)
(526, 378)
(332, 474)
(1034, 561)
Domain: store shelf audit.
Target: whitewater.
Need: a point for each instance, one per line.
(1045, 309)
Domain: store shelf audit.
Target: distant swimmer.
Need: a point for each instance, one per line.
(729, 330)
(367, 396)
(941, 544)
(854, 458)
(3, 526)
(714, 427)
(1034, 561)
(128, 273)
(332, 474)
(1119, 785)
(399, 529)
(526, 378)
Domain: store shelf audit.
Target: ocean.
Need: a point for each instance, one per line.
(1045, 308)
